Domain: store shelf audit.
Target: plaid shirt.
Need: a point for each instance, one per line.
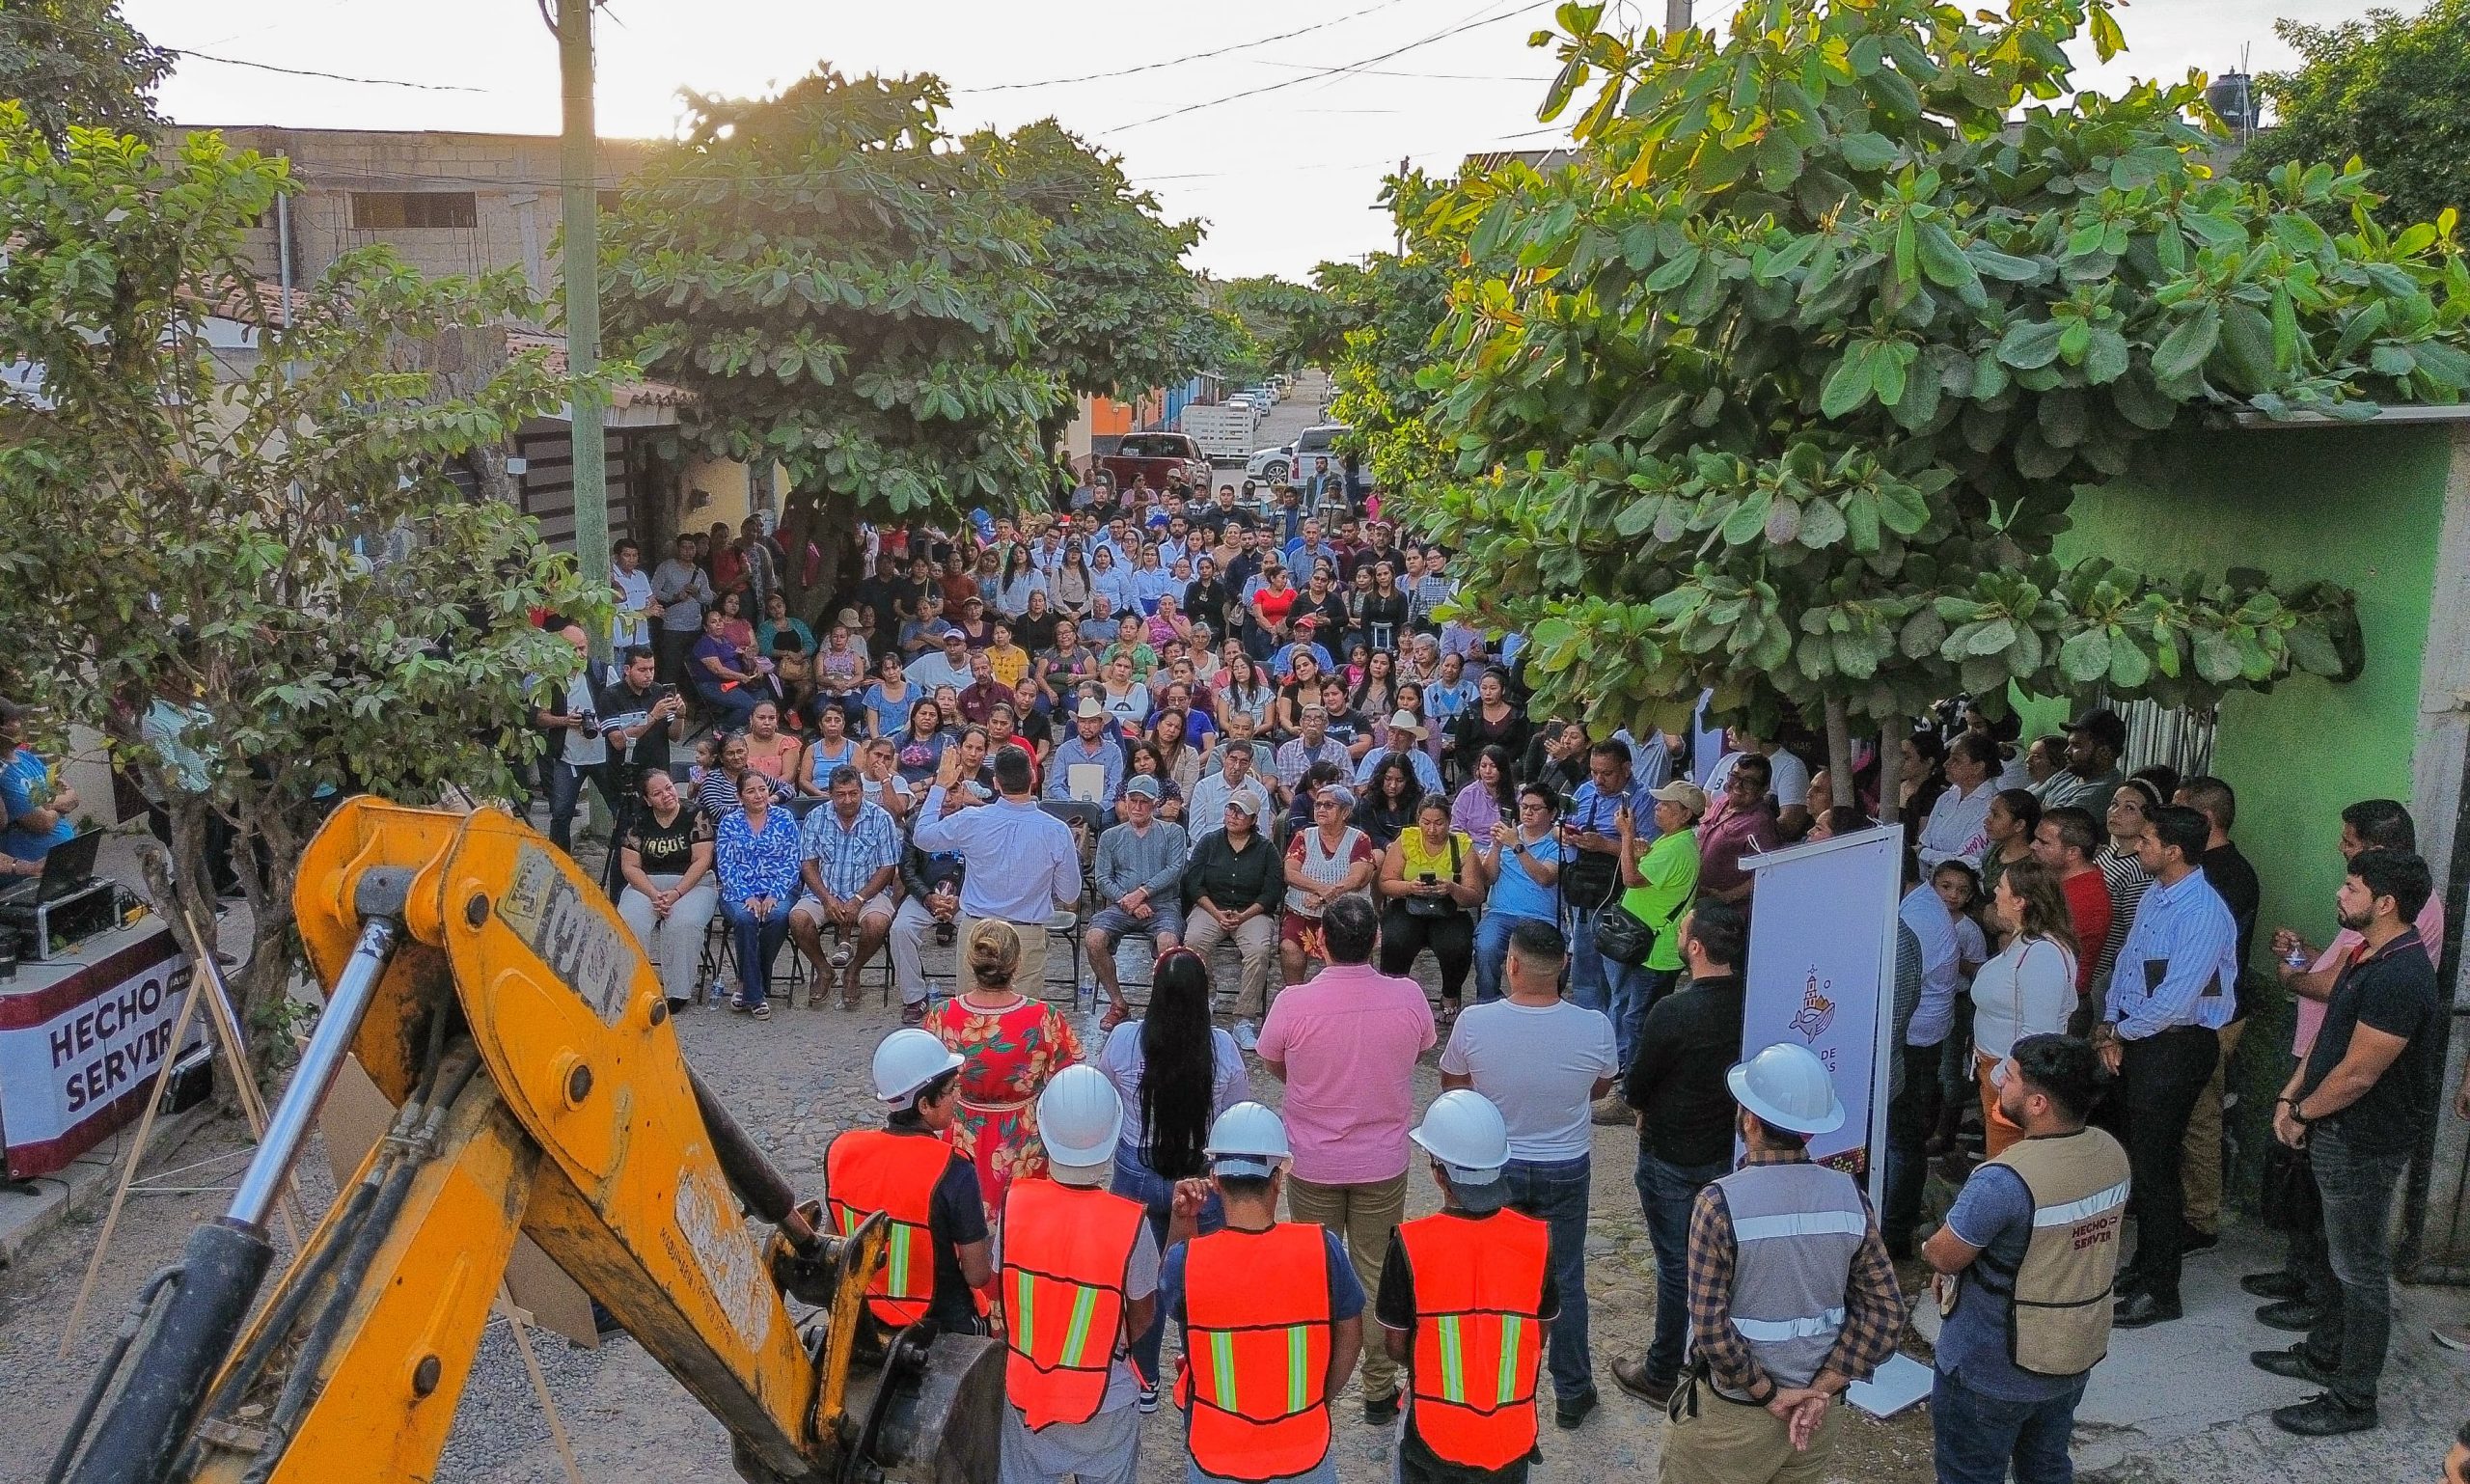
(846, 855)
(1874, 1307)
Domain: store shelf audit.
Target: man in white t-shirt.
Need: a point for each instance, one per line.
(1788, 781)
(1542, 1061)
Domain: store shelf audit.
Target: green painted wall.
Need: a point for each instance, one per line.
(2361, 506)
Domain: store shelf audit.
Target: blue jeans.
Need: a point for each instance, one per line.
(1554, 1191)
(758, 944)
(1977, 1436)
(1135, 1180)
(734, 705)
(1666, 1193)
(2350, 1273)
(1587, 969)
(1491, 953)
(1635, 988)
(566, 789)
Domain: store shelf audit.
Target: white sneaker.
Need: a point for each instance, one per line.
(1245, 1036)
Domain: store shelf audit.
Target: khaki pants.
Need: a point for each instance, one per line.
(1734, 1442)
(1256, 939)
(2201, 1155)
(1029, 978)
(1363, 1216)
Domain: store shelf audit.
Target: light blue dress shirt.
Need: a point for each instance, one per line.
(2180, 963)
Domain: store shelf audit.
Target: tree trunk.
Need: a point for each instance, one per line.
(1839, 753)
(1891, 735)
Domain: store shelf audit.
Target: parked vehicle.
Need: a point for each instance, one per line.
(1270, 464)
(1314, 444)
(1160, 457)
(1223, 430)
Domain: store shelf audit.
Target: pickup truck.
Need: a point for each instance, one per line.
(1223, 429)
(1161, 457)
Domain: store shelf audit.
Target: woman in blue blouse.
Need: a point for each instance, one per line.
(757, 848)
(919, 746)
(1115, 581)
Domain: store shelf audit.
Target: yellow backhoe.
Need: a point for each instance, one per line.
(494, 995)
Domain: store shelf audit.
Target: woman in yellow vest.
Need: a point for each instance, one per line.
(1079, 1277)
(938, 1254)
(1272, 1316)
(1466, 1299)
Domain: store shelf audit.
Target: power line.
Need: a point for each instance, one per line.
(1325, 73)
(1199, 56)
(297, 71)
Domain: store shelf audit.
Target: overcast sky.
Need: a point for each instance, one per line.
(1280, 157)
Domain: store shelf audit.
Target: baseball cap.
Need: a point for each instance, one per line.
(1245, 800)
(1681, 791)
(2105, 726)
(1143, 785)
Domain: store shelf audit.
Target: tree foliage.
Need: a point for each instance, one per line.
(848, 292)
(1125, 314)
(267, 534)
(79, 62)
(1785, 386)
(2391, 90)
(1295, 324)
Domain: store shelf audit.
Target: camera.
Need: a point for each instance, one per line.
(947, 934)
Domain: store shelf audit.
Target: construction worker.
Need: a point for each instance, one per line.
(1272, 1316)
(1465, 1298)
(1791, 1297)
(938, 1258)
(1079, 1269)
(2025, 1263)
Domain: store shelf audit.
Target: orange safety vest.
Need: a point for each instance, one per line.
(1065, 1252)
(1255, 1377)
(868, 1170)
(1479, 1288)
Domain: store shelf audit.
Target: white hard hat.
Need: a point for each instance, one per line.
(1079, 1116)
(1787, 1086)
(1463, 1131)
(908, 1060)
(1248, 1139)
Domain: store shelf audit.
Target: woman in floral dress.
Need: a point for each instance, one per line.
(1012, 1045)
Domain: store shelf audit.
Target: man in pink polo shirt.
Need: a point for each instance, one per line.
(1345, 1043)
(2370, 824)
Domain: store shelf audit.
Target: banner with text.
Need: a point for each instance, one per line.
(77, 1058)
(1821, 975)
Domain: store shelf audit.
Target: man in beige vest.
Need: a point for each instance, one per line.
(2025, 1262)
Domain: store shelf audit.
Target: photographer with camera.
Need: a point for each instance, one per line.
(930, 902)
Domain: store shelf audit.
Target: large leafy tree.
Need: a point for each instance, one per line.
(1784, 387)
(850, 293)
(2391, 90)
(266, 541)
(78, 62)
(1125, 314)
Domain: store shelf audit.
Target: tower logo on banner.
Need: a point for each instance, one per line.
(1818, 1013)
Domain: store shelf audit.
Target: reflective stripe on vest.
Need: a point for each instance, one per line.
(2075, 1211)
(1256, 1350)
(1799, 1224)
(870, 1171)
(1066, 1250)
(1478, 1344)
(1777, 1331)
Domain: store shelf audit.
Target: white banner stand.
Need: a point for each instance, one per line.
(1821, 975)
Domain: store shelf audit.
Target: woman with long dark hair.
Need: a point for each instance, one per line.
(1388, 808)
(1490, 797)
(1176, 1073)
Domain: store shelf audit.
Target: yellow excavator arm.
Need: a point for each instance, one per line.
(494, 995)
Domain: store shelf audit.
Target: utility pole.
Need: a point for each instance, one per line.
(579, 198)
(1676, 16)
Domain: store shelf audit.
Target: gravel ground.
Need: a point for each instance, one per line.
(795, 1083)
